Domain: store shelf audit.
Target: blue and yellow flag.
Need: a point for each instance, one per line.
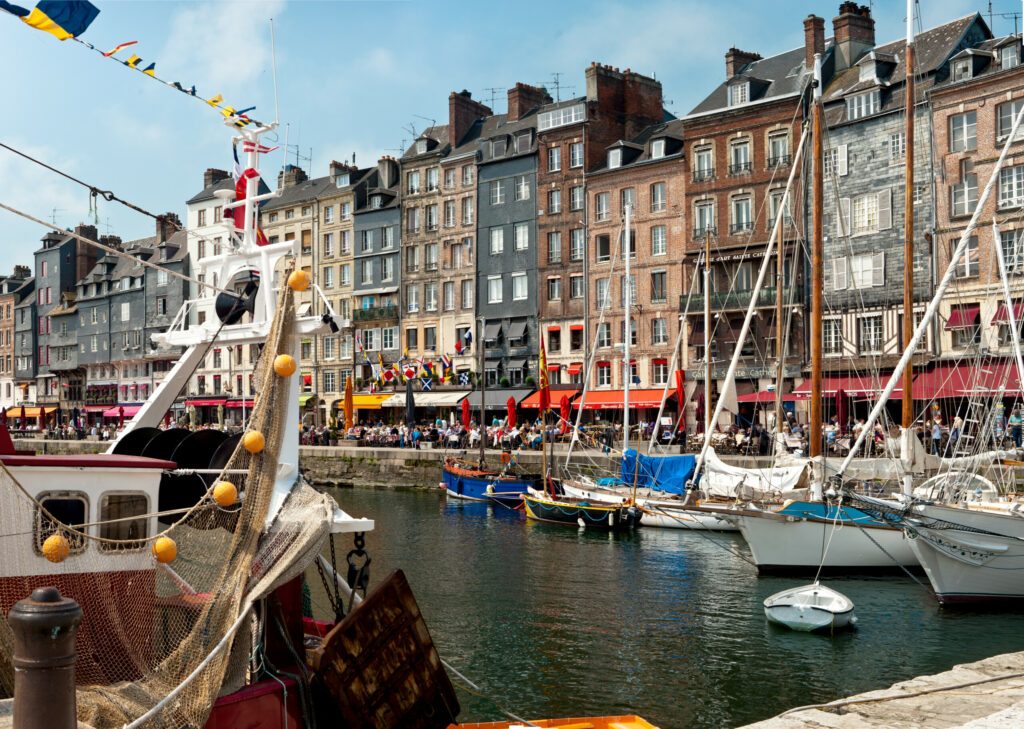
(61, 19)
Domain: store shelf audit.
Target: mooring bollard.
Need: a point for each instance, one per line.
(44, 627)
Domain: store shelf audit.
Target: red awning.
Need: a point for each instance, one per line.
(554, 367)
(852, 385)
(238, 403)
(115, 412)
(87, 408)
(963, 317)
(575, 368)
(659, 361)
(533, 401)
(554, 328)
(576, 327)
(613, 399)
(307, 379)
(766, 396)
(1003, 313)
(960, 380)
(204, 402)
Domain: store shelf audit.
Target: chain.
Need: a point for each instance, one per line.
(358, 566)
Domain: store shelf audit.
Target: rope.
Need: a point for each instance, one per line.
(704, 533)
(477, 691)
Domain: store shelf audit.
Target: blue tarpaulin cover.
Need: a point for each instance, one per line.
(662, 473)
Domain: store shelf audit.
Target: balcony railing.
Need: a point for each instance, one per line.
(704, 175)
(739, 168)
(699, 233)
(780, 161)
(736, 300)
(744, 227)
(376, 312)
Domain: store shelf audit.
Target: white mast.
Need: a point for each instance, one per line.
(627, 297)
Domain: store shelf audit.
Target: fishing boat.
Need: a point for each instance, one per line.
(809, 608)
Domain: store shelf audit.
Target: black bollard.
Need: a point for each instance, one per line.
(44, 627)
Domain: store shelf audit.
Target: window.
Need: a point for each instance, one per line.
(1009, 56)
(561, 117)
(614, 158)
(365, 241)
(577, 244)
(703, 164)
(522, 187)
(376, 201)
(963, 133)
(497, 192)
(412, 220)
(657, 149)
(659, 246)
(576, 154)
(519, 286)
(494, 289)
(521, 234)
(412, 186)
(627, 196)
(467, 294)
(497, 241)
(371, 339)
(774, 204)
(433, 175)
(739, 158)
(467, 175)
(870, 213)
(604, 334)
(523, 142)
(498, 147)
(328, 277)
(412, 259)
(778, 149)
(604, 298)
(659, 289)
(201, 222)
(576, 287)
(861, 105)
(961, 70)
(632, 330)
(554, 247)
(602, 206)
(412, 298)
(430, 296)
(836, 161)
(1011, 187)
(897, 148)
(387, 268)
(969, 334)
(329, 214)
(554, 159)
(739, 93)
(576, 197)
(658, 198)
(412, 339)
(449, 213)
(430, 338)
(554, 201)
(328, 348)
(554, 289)
(330, 381)
(449, 178)
(964, 194)
(449, 295)
(126, 311)
(467, 210)
(366, 271)
(742, 216)
(968, 265)
(603, 245)
(870, 334)
(1005, 116)
(1012, 242)
(867, 270)
(832, 336)
(659, 331)
(704, 216)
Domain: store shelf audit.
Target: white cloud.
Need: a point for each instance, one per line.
(224, 45)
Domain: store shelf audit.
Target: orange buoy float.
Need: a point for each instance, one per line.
(225, 494)
(284, 365)
(165, 550)
(298, 280)
(254, 442)
(56, 548)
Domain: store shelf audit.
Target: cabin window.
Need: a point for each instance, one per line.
(116, 511)
(70, 508)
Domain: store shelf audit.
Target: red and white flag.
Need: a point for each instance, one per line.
(255, 147)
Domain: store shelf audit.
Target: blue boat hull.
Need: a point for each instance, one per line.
(485, 486)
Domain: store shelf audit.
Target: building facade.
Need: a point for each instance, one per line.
(13, 290)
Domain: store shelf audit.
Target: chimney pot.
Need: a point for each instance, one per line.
(814, 39)
(735, 60)
(854, 33)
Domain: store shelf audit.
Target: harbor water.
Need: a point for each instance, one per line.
(552, 621)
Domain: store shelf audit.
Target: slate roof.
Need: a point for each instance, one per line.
(989, 51)
(438, 134)
(307, 191)
(207, 192)
(671, 130)
(783, 74)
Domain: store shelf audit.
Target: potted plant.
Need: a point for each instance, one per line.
(504, 382)
(530, 381)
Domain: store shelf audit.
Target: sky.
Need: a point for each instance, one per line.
(355, 77)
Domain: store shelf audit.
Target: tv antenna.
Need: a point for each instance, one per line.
(433, 122)
(494, 91)
(557, 85)
(53, 215)
(299, 157)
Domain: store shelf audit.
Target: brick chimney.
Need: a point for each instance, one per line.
(735, 60)
(523, 97)
(463, 110)
(291, 176)
(854, 32)
(86, 231)
(112, 241)
(212, 176)
(387, 171)
(643, 102)
(620, 105)
(814, 39)
(21, 272)
(167, 225)
(85, 258)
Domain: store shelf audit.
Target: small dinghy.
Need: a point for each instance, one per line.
(811, 607)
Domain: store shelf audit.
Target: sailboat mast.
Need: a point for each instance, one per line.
(483, 390)
(817, 264)
(907, 420)
(780, 352)
(707, 335)
(627, 297)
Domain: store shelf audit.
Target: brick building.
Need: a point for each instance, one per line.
(573, 136)
(13, 290)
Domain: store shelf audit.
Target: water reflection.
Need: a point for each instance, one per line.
(667, 623)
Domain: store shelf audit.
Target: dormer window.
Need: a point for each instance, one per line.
(657, 149)
(739, 94)
(861, 105)
(341, 180)
(498, 148)
(376, 201)
(962, 69)
(523, 143)
(867, 71)
(421, 146)
(1009, 56)
(614, 158)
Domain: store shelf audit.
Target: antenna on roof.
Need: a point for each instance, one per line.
(53, 214)
(494, 95)
(556, 81)
(433, 122)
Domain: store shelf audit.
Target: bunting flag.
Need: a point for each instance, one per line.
(120, 47)
(215, 100)
(133, 61)
(464, 378)
(468, 336)
(428, 384)
(446, 368)
(428, 369)
(380, 360)
(254, 147)
(150, 70)
(61, 19)
(545, 390)
(398, 371)
(389, 375)
(410, 372)
(458, 346)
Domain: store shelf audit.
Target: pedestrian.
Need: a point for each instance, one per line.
(1015, 427)
(936, 436)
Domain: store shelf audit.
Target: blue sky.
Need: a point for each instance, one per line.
(354, 76)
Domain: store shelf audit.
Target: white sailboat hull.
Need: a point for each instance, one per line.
(781, 545)
(967, 566)
(808, 608)
(662, 513)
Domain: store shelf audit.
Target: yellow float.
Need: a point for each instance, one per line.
(225, 494)
(56, 548)
(165, 550)
(284, 365)
(254, 442)
(298, 280)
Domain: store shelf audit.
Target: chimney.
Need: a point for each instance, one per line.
(21, 272)
(86, 231)
(337, 169)
(212, 176)
(522, 98)
(854, 33)
(112, 241)
(167, 225)
(463, 110)
(735, 60)
(387, 171)
(814, 39)
(643, 105)
(291, 176)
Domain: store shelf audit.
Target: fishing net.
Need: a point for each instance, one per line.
(158, 642)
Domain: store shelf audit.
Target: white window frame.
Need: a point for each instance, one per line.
(497, 241)
(494, 290)
(520, 286)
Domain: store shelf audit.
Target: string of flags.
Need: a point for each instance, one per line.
(68, 19)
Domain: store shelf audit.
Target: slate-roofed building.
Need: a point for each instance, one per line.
(25, 345)
(13, 290)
